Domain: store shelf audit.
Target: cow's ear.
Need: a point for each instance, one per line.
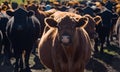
(50, 22)
(82, 22)
(30, 13)
(97, 19)
(10, 13)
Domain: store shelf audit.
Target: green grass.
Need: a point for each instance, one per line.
(18, 1)
(110, 52)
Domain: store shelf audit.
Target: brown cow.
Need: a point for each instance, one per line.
(90, 27)
(117, 27)
(66, 46)
(117, 30)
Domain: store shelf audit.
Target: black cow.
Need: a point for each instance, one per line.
(110, 5)
(88, 10)
(5, 41)
(23, 29)
(14, 5)
(104, 28)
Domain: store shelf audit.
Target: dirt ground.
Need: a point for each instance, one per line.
(109, 61)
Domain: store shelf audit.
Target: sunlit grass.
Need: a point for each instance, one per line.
(18, 1)
(110, 52)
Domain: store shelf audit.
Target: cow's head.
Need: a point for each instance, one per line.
(20, 17)
(20, 12)
(90, 27)
(33, 7)
(66, 27)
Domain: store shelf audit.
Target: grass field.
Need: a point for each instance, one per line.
(18, 1)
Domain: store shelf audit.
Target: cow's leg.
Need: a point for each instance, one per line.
(101, 50)
(27, 56)
(17, 52)
(0, 48)
(7, 50)
(119, 39)
(96, 45)
(119, 36)
(108, 36)
(1, 38)
(111, 33)
(21, 62)
(102, 43)
(34, 49)
(108, 41)
(17, 57)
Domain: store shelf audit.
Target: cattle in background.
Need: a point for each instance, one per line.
(91, 26)
(117, 27)
(66, 46)
(6, 3)
(14, 5)
(88, 10)
(114, 20)
(117, 30)
(40, 14)
(1, 38)
(62, 8)
(104, 27)
(111, 6)
(5, 42)
(23, 29)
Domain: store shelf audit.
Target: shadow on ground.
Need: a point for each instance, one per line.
(38, 65)
(109, 61)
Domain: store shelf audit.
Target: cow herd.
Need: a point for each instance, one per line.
(64, 34)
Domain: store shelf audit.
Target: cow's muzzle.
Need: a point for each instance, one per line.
(65, 39)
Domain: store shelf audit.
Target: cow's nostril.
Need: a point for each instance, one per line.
(65, 39)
